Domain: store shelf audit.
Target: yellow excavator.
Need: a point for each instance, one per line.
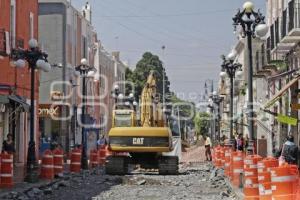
(141, 142)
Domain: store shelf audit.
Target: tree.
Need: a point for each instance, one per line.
(139, 75)
(202, 123)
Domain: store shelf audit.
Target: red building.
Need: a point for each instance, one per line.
(18, 24)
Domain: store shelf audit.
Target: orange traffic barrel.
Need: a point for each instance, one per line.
(58, 161)
(47, 170)
(264, 177)
(102, 154)
(94, 158)
(75, 165)
(6, 176)
(265, 191)
(218, 162)
(237, 167)
(251, 188)
(284, 180)
(222, 156)
(267, 163)
(250, 165)
(227, 158)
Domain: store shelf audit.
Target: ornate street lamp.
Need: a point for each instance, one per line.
(217, 99)
(229, 67)
(84, 70)
(36, 59)
(252, 24)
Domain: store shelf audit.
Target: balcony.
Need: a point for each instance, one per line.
(285, 32)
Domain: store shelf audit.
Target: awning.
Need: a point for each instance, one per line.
(280, 93)
(19, 100)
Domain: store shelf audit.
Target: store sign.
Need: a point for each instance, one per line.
(56, 95)
(46, 110)
(287, 120)
(295, 106)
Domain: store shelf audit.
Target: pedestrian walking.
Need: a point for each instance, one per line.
(240, 142)
(8, 144)
(246, 142)
(207, 146)
(289, 151)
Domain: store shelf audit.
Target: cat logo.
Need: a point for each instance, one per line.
(138, 141)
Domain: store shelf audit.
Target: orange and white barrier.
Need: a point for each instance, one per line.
(237, 167)
(102, 152)
(227, 158)
(58, 161)
(47, 170)
(6, 176)
(75, 165)
(284, 182)
(251, 191)
(94, 161)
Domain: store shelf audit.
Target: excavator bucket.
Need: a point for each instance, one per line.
(140, 139)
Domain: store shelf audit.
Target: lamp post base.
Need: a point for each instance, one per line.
(32, 166)
(84, 164)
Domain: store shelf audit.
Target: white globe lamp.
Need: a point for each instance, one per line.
(20, 63)
(248, 7)
(84, 61)
(261, 30)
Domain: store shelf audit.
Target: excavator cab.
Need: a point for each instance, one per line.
(123, 118)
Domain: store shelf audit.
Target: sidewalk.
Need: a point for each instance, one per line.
(194, 154)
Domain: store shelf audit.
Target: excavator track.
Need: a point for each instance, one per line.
(116, 165)
(168, 165)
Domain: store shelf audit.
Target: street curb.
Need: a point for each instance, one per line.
(237, 191)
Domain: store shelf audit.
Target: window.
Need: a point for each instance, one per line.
(13, 23)
(263, 54)
(31, 25)
(257, 61)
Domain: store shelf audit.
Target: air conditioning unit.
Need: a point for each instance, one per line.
(2, 108)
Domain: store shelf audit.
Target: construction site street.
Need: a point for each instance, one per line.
(197, 180)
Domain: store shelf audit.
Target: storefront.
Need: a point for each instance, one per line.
(13, 120)
(48, 124)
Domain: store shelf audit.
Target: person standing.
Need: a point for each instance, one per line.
(240, 142)
(246, 141)
(207, 146)
(289, 151)
(8, 144)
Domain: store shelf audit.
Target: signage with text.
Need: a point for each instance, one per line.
(46, 110)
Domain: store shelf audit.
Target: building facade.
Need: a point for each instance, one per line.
(275, 80)
(74, 39)
(18, 24)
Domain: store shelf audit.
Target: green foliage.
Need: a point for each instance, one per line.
(186, 108)
(281, 65)
(243, 89)
(139, 75)
(202, 123)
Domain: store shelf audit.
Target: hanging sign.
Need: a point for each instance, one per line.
(287, 120)
(295, 106)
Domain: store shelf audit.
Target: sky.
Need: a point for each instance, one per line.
(194, 32)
